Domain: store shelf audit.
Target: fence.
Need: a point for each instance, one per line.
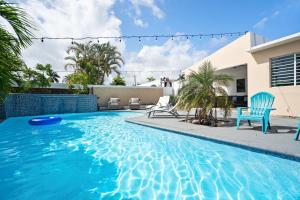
(42, 104)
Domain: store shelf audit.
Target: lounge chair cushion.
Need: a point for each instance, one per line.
(114, 101)
(134, 100)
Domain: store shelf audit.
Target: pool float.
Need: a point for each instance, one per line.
(44, 120)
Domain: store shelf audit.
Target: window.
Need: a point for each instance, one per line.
(298, 69)
(285, 70)
(241, 85)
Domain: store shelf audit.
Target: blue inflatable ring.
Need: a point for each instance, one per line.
(44, 120)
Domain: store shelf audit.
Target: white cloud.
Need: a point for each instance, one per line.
(140, 23)
(71, 18)
(94, 18)
(137, 14)
(261, 23)
(156, 11)
(164, 60)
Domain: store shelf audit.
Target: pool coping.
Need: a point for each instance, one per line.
(219, 141)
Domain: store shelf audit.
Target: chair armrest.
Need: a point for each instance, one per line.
(268, 111)
(240, 110)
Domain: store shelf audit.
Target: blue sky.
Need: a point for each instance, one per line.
(272, 19)
(80, 18)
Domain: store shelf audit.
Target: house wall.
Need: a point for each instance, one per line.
(287, 98)
(148, 95)
(239, 72)
(233, 54)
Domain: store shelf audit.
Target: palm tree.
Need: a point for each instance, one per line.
(151, 78)
(118, 80)
(48, 72)
(82, 54)
(108, 60)
(96, 60)
(204, 90)
(11, 45)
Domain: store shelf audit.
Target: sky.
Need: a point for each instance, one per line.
(150, 57)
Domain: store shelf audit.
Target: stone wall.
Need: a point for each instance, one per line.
(43, 104)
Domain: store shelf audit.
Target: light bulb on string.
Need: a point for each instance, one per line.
(42, 39)
(139, 39)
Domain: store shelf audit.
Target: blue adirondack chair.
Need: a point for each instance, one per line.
(261, 106)
(298, 132)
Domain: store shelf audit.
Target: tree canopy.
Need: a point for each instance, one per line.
(41, 76)
(95, 60)
(11, 44)
(118, 80)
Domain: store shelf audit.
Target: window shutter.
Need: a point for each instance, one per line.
(298, 69)
(282, 70)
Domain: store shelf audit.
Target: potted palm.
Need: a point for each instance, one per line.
(204, 90)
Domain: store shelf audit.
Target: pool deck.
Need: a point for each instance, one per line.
(278, 141)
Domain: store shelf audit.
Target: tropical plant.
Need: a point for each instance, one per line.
(151, 78)
(204, 90)
(97, 61)
(41, 76)
(79, 78)
(108, 60)
(11, 44)
(118, 80)
(47, 71)
(181, 77)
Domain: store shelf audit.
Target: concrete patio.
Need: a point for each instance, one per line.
(278, 141)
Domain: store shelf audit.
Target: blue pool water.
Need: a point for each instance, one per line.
(100, 156)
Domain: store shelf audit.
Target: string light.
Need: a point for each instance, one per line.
(139, 37)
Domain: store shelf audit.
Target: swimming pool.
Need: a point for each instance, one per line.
(100, 156)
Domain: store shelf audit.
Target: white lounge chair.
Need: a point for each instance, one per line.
(163, 102)
(170, 110)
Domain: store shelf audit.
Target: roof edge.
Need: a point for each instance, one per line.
(275, 43)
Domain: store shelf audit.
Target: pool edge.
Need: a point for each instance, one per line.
(219, 141)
